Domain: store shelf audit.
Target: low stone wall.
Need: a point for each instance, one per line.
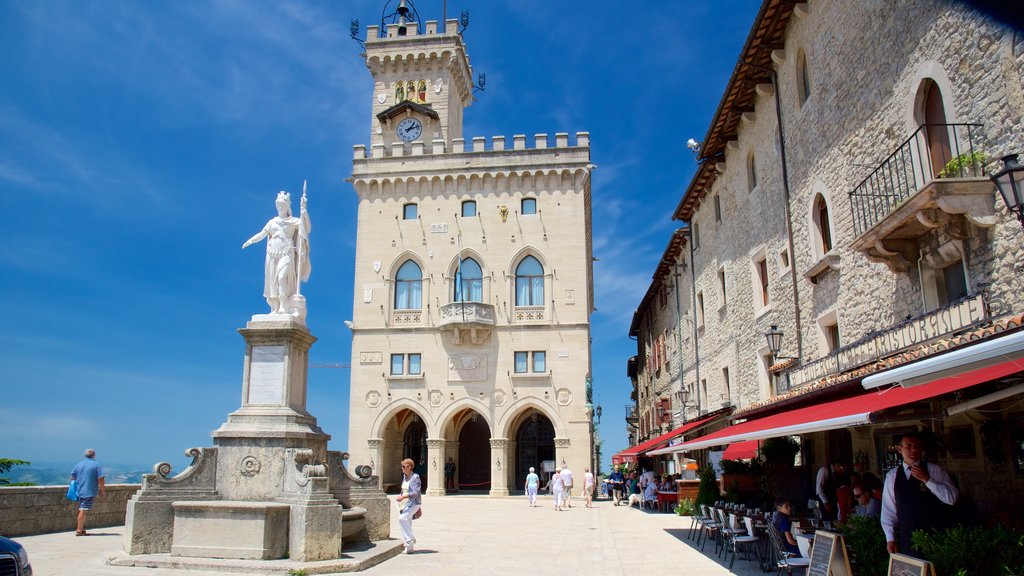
(29, 510)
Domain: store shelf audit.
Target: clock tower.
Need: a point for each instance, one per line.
(421, 84)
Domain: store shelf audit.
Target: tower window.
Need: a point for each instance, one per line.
(468, 209)
(469, 284)
(408, 287)
(529, 206)
(529, 283)
(409, 211)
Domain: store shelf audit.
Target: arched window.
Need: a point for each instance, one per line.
(469, 282)
(751, 173)
(409, 211)
(821, 223)
(529, 206)
(469, 208)
(529, 283)
(409, 287)
(803, 78)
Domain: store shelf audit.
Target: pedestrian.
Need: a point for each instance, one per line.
(555, 486)
(917, 495)
(409, 503)
(616, 480)
(532, 484)
(567, 485)
(449, 475)
(588, 488)
(90, 483)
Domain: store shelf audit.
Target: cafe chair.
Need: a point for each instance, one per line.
(729, 530)
(784, 559)
(710, 528)
(747, 540)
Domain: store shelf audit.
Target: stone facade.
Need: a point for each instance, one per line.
(432, 362)
(855, 82)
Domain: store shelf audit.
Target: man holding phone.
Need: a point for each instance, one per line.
(917, 495)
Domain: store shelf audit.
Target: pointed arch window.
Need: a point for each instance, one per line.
(409, 287)
(469, 282)
(821, 222)
(529, 283)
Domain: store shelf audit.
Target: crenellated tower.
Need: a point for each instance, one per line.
(421, 83)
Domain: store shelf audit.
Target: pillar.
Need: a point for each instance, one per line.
(435, 467)
(499, 464)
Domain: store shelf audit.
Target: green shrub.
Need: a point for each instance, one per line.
(743, 467)
(780, 450)
(866, 544)
(964, 164)
(972, 551)
(708, 492)
(686, 507)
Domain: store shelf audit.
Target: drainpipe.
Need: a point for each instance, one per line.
(693, 296)
(789, 215)
(679, 335)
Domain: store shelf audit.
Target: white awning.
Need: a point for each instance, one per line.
(962, 361)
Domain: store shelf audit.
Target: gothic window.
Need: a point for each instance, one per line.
(529, 206)
(469, 282)
(468, 208)
(529, 283)
(408, 287)
(936, 131)
(822, 228)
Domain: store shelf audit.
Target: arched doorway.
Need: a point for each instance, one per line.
(535, 443)
(414, 447)
(474, 466)
(933, 116)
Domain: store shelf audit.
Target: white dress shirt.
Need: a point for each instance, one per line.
(938, 483)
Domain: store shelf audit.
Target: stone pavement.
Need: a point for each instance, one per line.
(469, 536)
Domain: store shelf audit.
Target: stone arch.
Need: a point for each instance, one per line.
(520, 408)
(928, 71)
(388, 412)
(816, 228)
(401, 258)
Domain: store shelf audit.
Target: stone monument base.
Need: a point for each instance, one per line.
(226, 529)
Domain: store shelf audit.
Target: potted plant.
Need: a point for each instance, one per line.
(781, 450)
(739, 476)
(967, 164)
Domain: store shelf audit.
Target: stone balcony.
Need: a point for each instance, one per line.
(934, 179)
(470, 322)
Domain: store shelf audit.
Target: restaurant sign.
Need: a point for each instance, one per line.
(877, 345)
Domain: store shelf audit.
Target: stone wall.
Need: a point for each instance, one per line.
(29, 510)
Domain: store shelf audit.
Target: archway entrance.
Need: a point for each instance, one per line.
(474, 466)
(414, 447)
(535, 443)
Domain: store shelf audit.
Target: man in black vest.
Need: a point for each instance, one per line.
(825, 487)
(917, 495)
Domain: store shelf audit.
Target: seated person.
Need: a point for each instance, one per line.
(651, 494)
(867, 505)
(785, 526)
(667, 484)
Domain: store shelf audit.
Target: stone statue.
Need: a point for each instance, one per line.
(287, 263)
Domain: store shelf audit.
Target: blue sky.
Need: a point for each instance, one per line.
(142, 142)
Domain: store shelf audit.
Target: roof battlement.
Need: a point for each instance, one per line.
(475, 145)
(373, 33)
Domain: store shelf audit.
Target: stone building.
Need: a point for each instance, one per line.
(473, 280)
(843, 203)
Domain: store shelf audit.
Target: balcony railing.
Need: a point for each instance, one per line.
(933, 151)
(467, 313)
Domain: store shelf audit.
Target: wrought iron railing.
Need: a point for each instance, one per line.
(933, 151)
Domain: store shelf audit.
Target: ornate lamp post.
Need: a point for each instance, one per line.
(1010, 181)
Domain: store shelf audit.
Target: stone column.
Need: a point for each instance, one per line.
(499, 465)
(376, 446)
(561, 452)
(435, 467)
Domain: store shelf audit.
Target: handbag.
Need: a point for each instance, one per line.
(418, 513)
(72, 491)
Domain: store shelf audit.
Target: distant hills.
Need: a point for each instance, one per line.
(54, 474)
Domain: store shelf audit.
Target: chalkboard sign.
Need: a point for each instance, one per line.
(828, 555)
(901, 565)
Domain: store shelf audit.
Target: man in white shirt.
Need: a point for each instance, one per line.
(916, 495)
(567, 485)
(825, 487)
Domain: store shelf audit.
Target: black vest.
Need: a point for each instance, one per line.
(829, 488)
(916, 508)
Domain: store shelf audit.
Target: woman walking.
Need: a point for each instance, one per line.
(408, 503)
(532, 484)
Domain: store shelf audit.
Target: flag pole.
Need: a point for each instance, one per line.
(298, 264)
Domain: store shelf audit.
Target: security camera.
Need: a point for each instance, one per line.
(693, 144)
(349, 324)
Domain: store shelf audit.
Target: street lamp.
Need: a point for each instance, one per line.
(597, 412)
(1010, 181)
(774, 337)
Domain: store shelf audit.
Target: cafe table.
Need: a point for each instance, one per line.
(667, 500)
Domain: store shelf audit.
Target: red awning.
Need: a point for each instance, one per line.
(631, 454)
(744, 450)
(854, 411)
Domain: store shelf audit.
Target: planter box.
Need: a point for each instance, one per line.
(743, 482)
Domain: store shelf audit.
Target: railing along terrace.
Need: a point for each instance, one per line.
(933, 151)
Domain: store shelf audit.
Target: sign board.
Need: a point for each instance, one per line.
(902, 565)
(266, 375)
(887, 342)
(828, 556)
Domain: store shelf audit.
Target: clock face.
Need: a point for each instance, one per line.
(409, 129)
